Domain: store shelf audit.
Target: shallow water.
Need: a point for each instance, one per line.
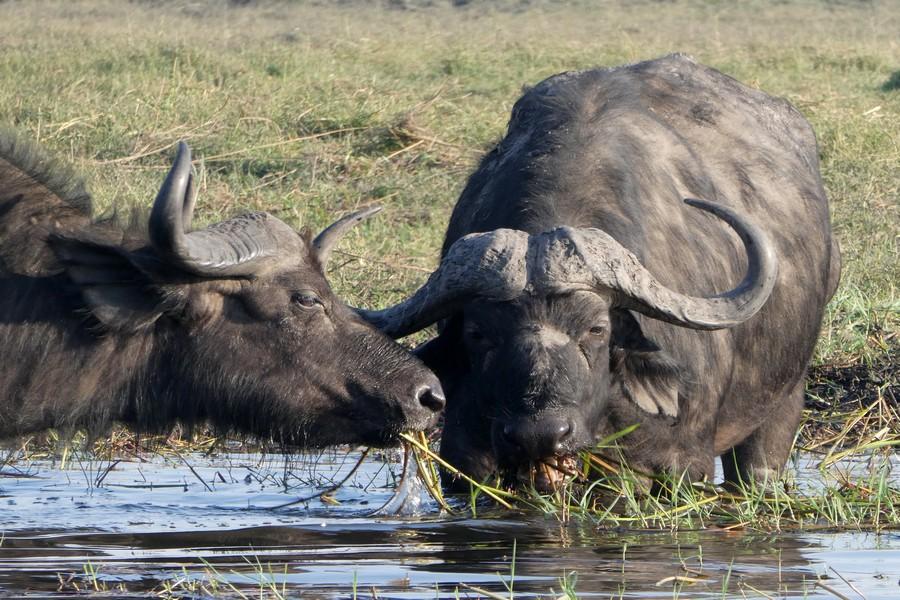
(141, 523)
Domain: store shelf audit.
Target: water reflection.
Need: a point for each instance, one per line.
(148, 520)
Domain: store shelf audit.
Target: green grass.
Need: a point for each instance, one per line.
(309, 111)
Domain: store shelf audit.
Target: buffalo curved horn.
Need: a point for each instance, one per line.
(328, 239)
(491, 265)
(232, 248)
(591, 259)
(503, 263)
(190, 200)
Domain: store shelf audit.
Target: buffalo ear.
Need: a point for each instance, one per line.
(114, 284)
(649, 377)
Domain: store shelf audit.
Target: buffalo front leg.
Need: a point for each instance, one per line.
(761, 457)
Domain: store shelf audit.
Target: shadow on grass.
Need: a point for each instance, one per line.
(838, 396)
(892, 84)
(856, 385)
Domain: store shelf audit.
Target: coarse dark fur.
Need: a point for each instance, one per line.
(618, 149)
(96, 328)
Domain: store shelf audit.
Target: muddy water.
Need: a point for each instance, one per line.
(139, 524)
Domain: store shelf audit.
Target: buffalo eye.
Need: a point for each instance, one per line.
(597, 330)
(476, 337)
(307, 300)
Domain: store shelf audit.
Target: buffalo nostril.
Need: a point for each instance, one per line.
(537, 438)
(563, 432)
(508, 433)
(430, 398)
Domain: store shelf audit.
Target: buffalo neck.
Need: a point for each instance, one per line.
(62, 370)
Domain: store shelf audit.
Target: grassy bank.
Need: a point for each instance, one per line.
(309, 111)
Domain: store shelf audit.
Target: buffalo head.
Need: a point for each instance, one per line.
(537, 334)
(240, 327)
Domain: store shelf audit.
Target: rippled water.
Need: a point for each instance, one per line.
(143, 523)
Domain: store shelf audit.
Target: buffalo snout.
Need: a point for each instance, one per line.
(534, 439)
(427, 401)
(431, 396)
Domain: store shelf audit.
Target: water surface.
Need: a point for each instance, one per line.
(145, 522)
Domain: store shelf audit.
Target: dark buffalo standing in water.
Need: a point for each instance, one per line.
(234, 324)
(592, 298)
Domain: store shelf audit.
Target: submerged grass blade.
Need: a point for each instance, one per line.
(873, 442)
(329, 490)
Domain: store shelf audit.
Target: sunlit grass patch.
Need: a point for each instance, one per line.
(310, 111)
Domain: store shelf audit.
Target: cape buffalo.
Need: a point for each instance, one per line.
(592, 300)
(234, 324)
